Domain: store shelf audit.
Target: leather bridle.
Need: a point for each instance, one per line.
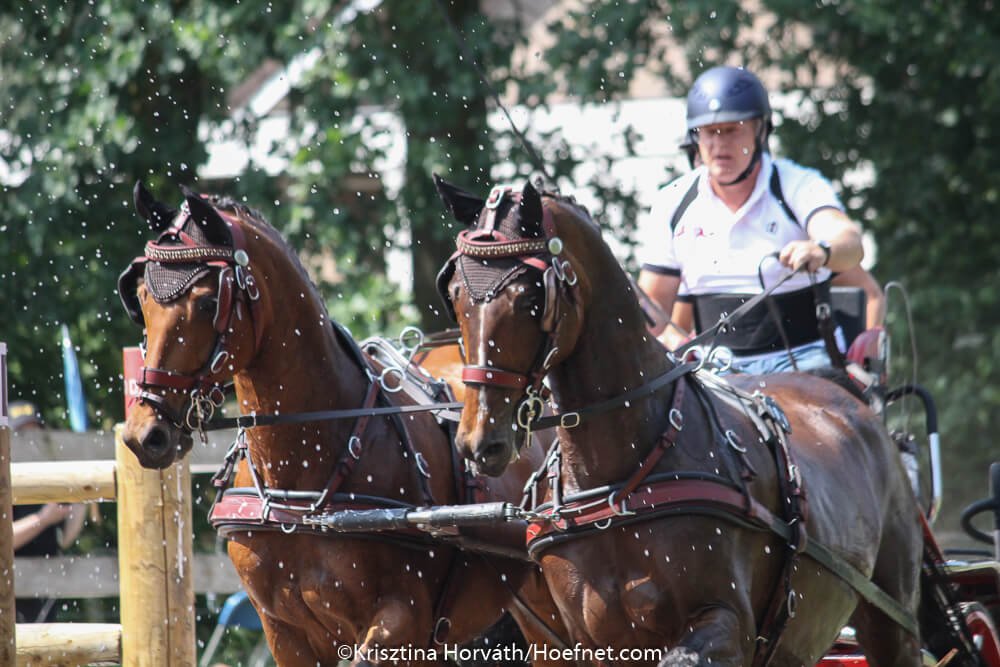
(237, 288)
(558, 278)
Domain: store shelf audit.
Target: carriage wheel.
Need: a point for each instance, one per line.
(984, 632)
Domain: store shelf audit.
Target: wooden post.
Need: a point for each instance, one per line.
(7, 618)
(154, 560)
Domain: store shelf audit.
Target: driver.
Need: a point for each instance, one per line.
(709, 242)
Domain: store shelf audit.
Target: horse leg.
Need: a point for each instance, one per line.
(394, 625)
(289, 644)
(897, 572)
(885, 644)
(713, 638)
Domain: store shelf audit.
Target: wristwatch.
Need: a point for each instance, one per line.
(825, 245)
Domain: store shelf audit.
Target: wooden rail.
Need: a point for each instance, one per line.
(154, 561)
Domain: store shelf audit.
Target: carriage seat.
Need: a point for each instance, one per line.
(867, 349)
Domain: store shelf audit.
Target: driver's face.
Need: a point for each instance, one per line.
(727, 148)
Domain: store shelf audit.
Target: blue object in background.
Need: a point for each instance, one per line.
(237, 612)
(75, 403)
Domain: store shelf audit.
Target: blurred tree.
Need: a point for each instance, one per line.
(96, 96)
(900, 118)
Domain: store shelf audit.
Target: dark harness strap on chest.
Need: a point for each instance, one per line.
(692, 193)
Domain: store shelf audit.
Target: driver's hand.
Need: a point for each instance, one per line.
(802, 253)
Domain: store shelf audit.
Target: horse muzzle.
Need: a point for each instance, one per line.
(155, 442)
(490, 451)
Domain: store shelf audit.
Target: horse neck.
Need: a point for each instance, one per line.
(301, 366)
(614, 354)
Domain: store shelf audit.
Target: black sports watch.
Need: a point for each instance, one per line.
(825, 245)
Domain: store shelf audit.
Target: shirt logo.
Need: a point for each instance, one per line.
(771, 227)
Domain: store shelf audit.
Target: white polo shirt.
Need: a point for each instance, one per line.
(718, 251)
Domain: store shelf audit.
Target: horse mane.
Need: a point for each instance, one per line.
(569, 200)
(256, 220)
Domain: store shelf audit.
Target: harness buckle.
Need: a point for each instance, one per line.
(625, 511)
(217, 363)
(734, 441)
(549, 356)
(570, 420)
(421, 464)
(529, 410)
(441, 629)
(823, 311)
(676, 419)
(354, 447)
(496, 196)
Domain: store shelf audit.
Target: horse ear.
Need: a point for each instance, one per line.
(156, 214)
(204, 214)
(530, 211)
(463, 205)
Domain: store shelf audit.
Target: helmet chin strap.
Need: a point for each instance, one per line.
(753, 162)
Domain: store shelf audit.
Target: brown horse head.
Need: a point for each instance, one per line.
(188, 291)
(517, 289)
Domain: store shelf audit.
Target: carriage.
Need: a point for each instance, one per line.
(209, 282)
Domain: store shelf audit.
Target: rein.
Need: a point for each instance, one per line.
(710, 333)
(252, 420)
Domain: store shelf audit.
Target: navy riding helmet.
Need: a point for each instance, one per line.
(726, 95)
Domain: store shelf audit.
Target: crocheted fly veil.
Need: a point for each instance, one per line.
(168, 280)
(504, 220)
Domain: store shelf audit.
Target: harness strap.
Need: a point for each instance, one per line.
(349, 457)
(666, 442)
(493, 376)
(576, 417)
(446, 602)
(713, 498)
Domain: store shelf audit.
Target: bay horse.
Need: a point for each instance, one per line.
(222, 296)
(678, 519)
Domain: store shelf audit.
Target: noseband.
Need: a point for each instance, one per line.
(558, 278)
(237, 286)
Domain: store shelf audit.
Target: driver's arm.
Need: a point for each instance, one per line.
(662, 290)
(874, 297)
(834, 227)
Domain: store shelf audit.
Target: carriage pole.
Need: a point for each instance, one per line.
(7, 618)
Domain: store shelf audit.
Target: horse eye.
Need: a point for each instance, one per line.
(529, 302)
(207, 304)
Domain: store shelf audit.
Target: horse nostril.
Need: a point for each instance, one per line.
(157, 440)
(491, 452)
